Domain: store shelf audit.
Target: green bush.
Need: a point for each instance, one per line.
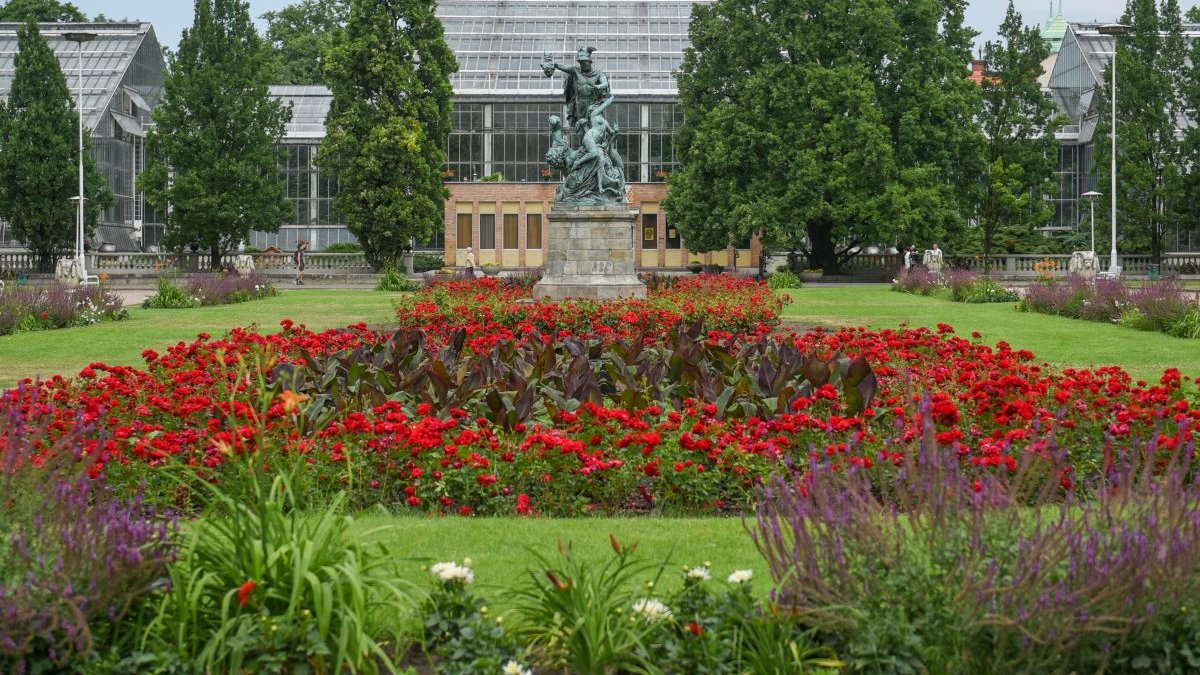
(987, 290)
(393, 279)
(343, 247)
(425, 262)
(784, 279)
(170, 295)
(261, 586)
(1188, 326)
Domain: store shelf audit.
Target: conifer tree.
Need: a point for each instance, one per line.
(1020, 124)
(216, 150)
(39, 155)
(386, 131)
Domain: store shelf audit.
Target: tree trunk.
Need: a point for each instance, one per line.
(822, 251)
(214, 253)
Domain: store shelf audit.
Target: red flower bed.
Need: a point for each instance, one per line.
(200, 402)
(492, 311)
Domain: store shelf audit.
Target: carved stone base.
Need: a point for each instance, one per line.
(589, 254)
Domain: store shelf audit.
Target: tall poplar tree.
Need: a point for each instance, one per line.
(385, 141)
(1020, 124)
(783, 133)
(39, 155)
(216, 149)
(1149, 156)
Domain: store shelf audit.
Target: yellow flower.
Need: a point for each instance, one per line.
(291, 400)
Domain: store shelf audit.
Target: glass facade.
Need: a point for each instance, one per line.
(511, 139)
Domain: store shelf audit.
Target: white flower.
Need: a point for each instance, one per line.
(514, 668)
(449, 571)
(699, 573)
(651, 609)
(741, 576)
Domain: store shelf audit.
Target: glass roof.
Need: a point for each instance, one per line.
(499, 43)
(310, 105)
(104, 59)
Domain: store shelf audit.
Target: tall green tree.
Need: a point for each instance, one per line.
(40, 10)
(385, 141)
(216, 148)
(39, 155)
(1189, 203)
(931, 107)
(300, 36)
(1150, 162)
(1019, 123)
(825, 126)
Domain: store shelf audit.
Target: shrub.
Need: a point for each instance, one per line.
(343, 247)
(961, 283)
(586, 616)
(1161, 304)
(30, 309)
(204, 290)
(77, 564)
(987, 290)
(460, 631)
(784, 279)
(427, 262)
(262, 586)
(170, 295)
(393, 279)
(919, 565)
(916, 280)
(1188, 326)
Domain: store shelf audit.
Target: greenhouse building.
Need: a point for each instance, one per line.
(122, 65)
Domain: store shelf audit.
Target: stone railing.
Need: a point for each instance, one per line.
(1028, 266)
(127, 264)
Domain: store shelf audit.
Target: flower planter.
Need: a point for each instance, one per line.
(490, 270)
(811, 275)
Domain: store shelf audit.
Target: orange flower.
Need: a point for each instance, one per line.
(291, 400)
(245, 591)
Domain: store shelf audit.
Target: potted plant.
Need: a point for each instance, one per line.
(812, 274)
(490, 269)
(547, 173)
(695, 266)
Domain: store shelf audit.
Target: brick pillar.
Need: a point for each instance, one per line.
(450, 242)
(662, 237)
(499, 233)
(475, 230)
(756, 251)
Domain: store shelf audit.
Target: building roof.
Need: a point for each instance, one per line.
(500, 43)
(105, 60)
(1056, 28)
(310, 106)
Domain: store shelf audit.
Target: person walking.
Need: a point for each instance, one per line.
(910, 254)
(471, 262)
(298, 258)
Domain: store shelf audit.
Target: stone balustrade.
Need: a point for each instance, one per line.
(123, 264)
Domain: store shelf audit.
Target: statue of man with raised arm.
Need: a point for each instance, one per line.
(586, 86)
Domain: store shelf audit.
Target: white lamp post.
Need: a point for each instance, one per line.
(1115, 30)
(80, 38)
(1092, 196)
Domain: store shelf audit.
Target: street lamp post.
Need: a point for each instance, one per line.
(79, 38)
(1092, 196)
(1115, 30)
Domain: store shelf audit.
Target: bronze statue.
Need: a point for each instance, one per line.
(595, 172)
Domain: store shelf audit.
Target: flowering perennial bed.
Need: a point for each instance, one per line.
(701, 432)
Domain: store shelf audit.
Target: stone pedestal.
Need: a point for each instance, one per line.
(589, 254)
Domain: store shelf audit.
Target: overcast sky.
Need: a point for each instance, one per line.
(172, 16)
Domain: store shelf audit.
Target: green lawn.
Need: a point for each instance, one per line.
(67, 351)
(500, 547)
(1060, 341)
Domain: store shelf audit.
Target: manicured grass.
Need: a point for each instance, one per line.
(67, 351)
(500, 547)
(1059, 341)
